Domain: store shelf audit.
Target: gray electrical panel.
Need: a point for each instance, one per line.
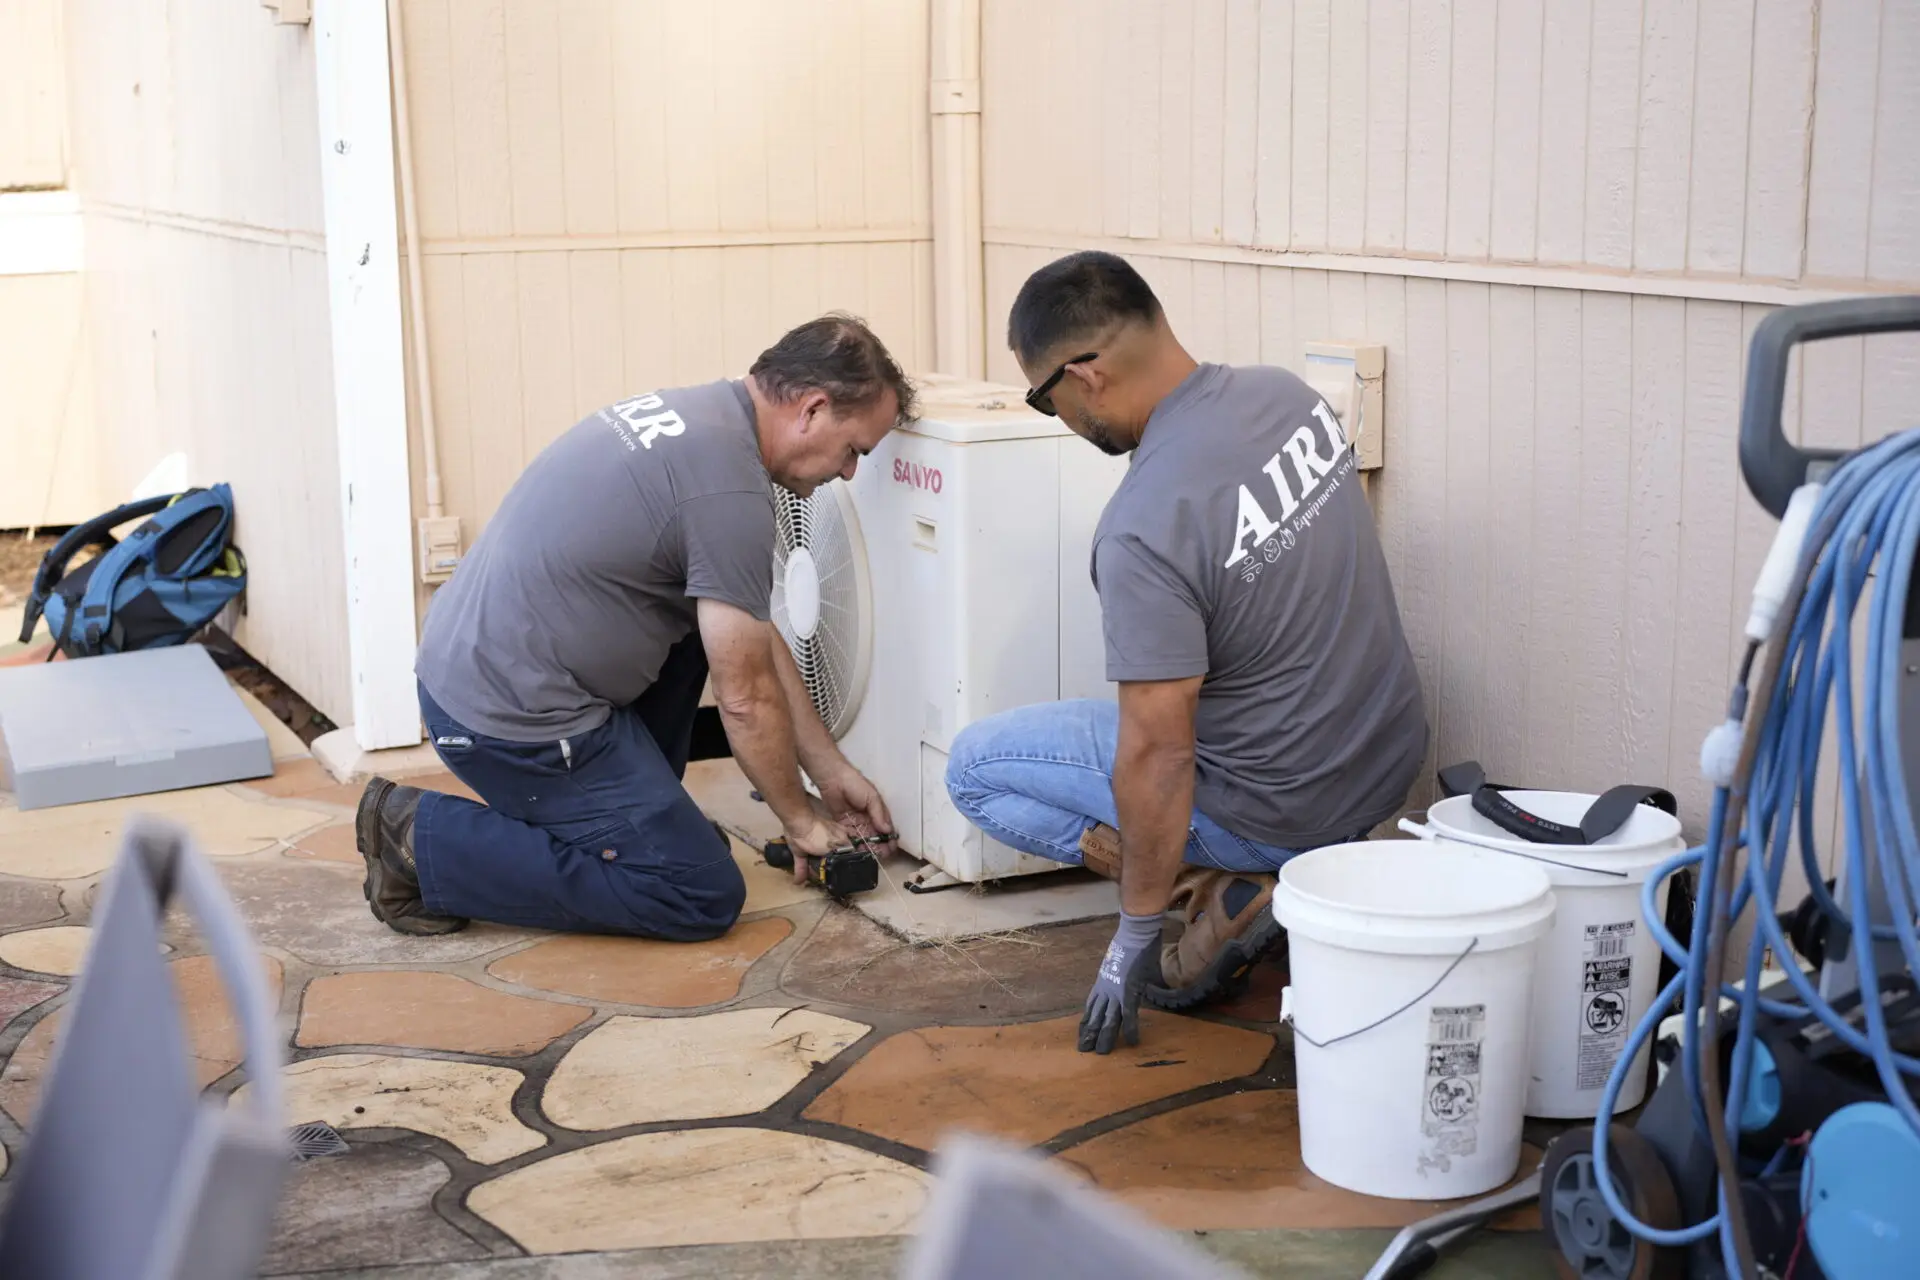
(125, 724)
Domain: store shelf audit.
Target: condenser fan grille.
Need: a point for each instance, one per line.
(820, 597)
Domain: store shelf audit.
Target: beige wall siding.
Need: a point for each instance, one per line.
(32, 104)
(50, 476)
(1614, 191)
(46, 430)
(196, 157)
(616, 196)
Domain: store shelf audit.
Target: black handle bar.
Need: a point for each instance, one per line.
(1773, 465)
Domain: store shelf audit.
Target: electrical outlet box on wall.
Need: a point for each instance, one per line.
(1352, 378)
(440, 548)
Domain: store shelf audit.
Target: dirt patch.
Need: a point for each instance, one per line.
(20, 558)
(287, 706)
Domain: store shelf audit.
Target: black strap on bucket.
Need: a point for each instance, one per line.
(1606, 815)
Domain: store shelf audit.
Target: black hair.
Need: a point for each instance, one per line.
(1074, 298)
(838, 354)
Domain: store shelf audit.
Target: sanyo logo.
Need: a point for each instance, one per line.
(644, 419)
(1253, 525)
(915, 476)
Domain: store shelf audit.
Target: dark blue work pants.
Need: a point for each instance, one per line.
(594, 834)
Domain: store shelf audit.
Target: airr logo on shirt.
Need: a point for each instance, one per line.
(638, 423)
(1309, 468)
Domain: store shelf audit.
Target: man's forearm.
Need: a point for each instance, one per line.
(814, 745)
(1153, 790)
(760, 731)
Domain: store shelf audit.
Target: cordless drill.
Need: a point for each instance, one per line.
(855, 868)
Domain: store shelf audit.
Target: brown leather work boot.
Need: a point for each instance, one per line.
(1100, 851)
(1229, 928)
(383, 832)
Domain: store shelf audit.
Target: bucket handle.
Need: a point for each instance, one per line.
(1286, 1005)
(1426, 832)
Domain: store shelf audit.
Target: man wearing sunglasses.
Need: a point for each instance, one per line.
(1268, 700)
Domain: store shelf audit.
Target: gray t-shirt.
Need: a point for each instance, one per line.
(1240, 547)
(587, 575)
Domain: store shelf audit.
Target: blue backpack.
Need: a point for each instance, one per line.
(158, 586)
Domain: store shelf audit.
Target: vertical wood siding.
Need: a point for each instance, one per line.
(32, 96)
(195, 155)
(623, 194)
(46, 431)
(1561, 506)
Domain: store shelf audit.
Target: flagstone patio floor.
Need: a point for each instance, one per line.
(530, 1105)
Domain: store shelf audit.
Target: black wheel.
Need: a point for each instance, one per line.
(1590, 1244)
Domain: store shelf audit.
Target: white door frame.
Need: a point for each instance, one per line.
(369, 365)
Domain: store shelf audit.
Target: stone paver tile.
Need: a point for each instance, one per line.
(703, 1186)
(1027, 1083)
(1234, 1163)
(851, 960)
(212, 1030)
(17, 995)
(58, 950)
(370, 1207)
(641, 1070)
(307, 779)
(768, 888)
(328, 844)
(661, 975)
(429, 1011)
(27, 902)
(74, 841)
(467, 1104)
(316, 911)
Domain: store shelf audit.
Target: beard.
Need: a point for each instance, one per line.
(1100, 433)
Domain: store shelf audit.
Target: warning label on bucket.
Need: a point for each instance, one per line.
(1607, 961)
(1450, 1110)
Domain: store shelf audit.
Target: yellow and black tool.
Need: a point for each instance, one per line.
(844, 872)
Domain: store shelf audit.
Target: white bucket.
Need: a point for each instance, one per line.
(1412, 983)
(1600, 965)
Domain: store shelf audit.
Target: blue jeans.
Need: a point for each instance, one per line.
(591, 834)
(1039, 776)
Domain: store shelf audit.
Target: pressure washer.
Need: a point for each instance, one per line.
(1783, 1139)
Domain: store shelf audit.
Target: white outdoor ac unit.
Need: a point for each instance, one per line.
(947, 582)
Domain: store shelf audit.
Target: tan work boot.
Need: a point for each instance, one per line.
(1229, 928)
(1100, 851)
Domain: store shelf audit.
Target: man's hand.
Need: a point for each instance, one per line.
(855, 802)
(813, 837)
(1113, 1006)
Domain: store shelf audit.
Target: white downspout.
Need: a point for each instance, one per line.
(416, 289)
(959, 272)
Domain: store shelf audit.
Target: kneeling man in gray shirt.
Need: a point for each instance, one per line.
(562, 666)
(1268, 699)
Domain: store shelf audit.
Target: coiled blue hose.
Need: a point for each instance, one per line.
(1865, 527)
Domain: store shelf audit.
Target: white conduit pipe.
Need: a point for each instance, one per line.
(416, 289)
(959, 269)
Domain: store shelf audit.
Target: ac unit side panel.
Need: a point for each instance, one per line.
(1088, 479)
(964, 563)
(955, 845)
(1006, 571)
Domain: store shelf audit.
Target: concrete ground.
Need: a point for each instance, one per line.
(518, 1104)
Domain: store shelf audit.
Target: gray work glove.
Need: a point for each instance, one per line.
(1132, 963)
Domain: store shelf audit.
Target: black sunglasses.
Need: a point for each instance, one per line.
(1039, 398)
